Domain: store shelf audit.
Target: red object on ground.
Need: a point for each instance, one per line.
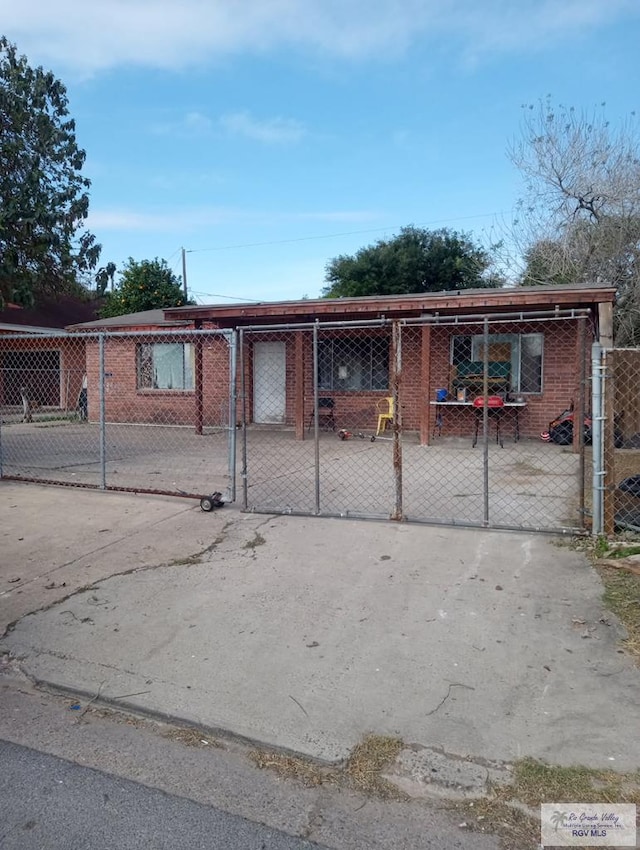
(492, 401)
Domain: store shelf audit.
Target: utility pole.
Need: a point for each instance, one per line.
(184, 273)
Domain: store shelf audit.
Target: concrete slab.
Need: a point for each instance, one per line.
(531, 484)
(306, 634)
(55, 540)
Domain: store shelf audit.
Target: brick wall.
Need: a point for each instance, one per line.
(126, 402)
(355, 410)
(560, 374)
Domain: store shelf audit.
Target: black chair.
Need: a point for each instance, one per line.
(326, 415)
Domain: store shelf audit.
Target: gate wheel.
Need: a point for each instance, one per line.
(208, 503)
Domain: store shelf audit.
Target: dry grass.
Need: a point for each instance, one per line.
(517, 829)
(190, 737)
(512, 811)
(621, 588)
(535, 782)
(622, 597)
(362, 771)
(366, 763)
(293, 767)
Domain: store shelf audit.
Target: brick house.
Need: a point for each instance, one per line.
(537, 359)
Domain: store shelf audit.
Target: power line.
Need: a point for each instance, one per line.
(230, 297)
(336, 235)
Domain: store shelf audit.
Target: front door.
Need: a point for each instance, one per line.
(269, 382)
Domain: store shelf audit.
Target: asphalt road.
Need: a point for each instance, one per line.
(48, 803)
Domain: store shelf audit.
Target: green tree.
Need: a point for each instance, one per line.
(416, 260)
(579, 219)
(144, 285)
(43, 195)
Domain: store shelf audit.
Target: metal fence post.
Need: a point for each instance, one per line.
(578, 433)
(397, 419)
(233, 404)
(597, 434)
(243, 400)
(485, 423)
(608, 441)
(103, 411)
(316, 420)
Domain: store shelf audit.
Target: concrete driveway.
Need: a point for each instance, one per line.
(308, 633)
(531, 484)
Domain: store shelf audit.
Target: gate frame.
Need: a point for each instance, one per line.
(102, 337)
(579, 315)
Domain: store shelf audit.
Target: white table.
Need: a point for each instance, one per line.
(516, 406)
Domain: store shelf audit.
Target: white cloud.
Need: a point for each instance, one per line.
(89, 37)
(151, 220)
(191, 125)
(189, 219)
(184, 179)
(241, 123)
(534, 24)
(269, 131)
(196, 122)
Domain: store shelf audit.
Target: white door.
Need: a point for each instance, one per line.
(269, 382)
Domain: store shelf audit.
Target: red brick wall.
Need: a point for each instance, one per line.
(125, 402)
(355, 410)
(560, 375)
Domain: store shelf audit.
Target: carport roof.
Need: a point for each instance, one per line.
(448, 303)
(398, 306)
(7, 328)
(143, 319)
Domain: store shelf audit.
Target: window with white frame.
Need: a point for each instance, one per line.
(353, 364)
(523, 353)
(165, 365)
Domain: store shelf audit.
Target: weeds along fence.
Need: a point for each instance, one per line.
(142, 412)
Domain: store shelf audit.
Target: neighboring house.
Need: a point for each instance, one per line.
(539, 342)
(37, 359)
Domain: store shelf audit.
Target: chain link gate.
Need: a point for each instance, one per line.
(437, 420)
(490, 387)
(432, 421)
(142, 412)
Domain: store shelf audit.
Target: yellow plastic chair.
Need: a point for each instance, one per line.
(385, 414)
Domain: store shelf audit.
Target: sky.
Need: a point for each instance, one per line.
(266, 137)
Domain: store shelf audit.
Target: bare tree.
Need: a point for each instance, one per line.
(579, 220)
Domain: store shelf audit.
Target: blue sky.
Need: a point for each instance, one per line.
(268, 136)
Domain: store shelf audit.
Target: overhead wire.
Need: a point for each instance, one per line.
(336, 235)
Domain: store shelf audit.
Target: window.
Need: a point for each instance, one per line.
(353, 364)
(523, 352)
(165, 366)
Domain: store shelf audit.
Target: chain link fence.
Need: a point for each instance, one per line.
(466, 422)
(437, 421)
(141, 412)
(616, 449)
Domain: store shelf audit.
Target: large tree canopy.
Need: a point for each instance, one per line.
(579, 221)
(144, 285)
(416, 260)
(43, 195)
